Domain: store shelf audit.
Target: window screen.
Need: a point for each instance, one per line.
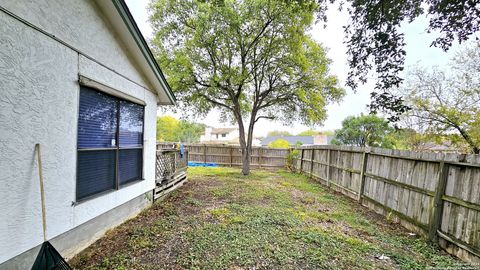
(110, 143)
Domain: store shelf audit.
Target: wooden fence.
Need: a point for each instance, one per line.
(434, 194)
(231, 155)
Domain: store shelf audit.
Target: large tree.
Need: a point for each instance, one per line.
(364, 130)
(375, 42)
(250, 59)
(446, 103)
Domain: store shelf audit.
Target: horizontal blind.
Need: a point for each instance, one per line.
(97, 120)
(130, 168)
(95, 172)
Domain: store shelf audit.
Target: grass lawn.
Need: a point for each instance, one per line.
(268, 220)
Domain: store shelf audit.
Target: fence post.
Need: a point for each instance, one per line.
(301, 161)
(231, 156)
(328, 167)
(260, 152)
(204, 153)
(311, 163)
(436, 214)
(362, 175)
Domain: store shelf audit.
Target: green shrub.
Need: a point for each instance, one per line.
(279, 143)
(292, 158)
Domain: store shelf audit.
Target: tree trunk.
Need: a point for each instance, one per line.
(248, 148)
(245, 151)
(466, 136)
(246, 160)
(243, 143)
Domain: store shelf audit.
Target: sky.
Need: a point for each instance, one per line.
(418, 51)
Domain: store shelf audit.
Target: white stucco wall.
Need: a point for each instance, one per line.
(39, 104)
(228, 137)
(80, 24)
(208, 136)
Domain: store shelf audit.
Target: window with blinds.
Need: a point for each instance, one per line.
(110, 143)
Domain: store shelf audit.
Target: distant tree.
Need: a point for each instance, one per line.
(328, 132)
(447, 102)
(364, 130)
(375, 42)
(312, 132)
(279, 133)
(190, 132)
(309, 132)
(251, 60)
(409, 139)
(169, 129)
(279, 143)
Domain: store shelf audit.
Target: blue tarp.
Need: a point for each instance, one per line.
(197, 164)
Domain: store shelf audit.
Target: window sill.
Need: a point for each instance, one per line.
(93, 196)
(103, 193)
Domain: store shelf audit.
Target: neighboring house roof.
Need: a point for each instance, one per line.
(222, 130)
(155, 74)
(292, 140)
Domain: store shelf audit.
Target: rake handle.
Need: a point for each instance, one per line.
(42, 192)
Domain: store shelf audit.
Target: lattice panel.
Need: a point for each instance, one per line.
(168, 163)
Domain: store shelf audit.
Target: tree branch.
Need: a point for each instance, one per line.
(215, 102)
(264, 117)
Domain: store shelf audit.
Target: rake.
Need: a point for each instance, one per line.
(48, 258)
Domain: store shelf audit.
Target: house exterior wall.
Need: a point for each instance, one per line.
(229, 136)
(39, 96)
(81, 25)
(320, 139)
(208, 136)
(232, 135)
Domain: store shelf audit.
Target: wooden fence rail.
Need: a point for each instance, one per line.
(231, 155)
(434, 194)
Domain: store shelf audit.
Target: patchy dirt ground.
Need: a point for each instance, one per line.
(268, 220)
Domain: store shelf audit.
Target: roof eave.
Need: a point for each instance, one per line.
(127, 17)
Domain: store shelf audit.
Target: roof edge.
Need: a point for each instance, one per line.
(129, 21)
